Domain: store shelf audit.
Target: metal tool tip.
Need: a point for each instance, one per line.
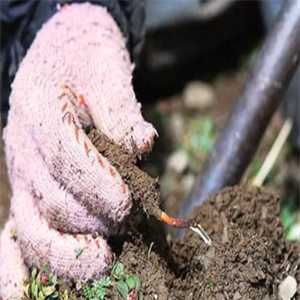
(199, 230)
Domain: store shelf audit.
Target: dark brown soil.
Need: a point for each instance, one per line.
(249, 256)
(144, 189)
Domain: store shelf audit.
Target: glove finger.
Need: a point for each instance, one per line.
(99, 72)
(13, 269)
(58, 205)
(40, 128)
(71, 257)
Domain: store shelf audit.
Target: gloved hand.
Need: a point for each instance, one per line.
(65, 195)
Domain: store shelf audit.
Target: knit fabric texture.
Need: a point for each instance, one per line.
(65, 195)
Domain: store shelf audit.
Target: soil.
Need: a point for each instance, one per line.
(248, 258)
(144, 188)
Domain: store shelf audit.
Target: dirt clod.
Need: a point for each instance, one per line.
(144, 188)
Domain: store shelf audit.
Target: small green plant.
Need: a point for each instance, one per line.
(66, 295)
(97, 290)
(128, 285)
(150, 249)
(41, 286)
(211, 286)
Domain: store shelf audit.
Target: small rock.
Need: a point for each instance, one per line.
(198, 95)
(237, 296)
(287, 288)
(178, 161)
(220, 296)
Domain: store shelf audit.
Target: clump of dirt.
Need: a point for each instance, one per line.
(144, 188)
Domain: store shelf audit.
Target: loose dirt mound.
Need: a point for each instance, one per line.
(249, 256)
(248, 259)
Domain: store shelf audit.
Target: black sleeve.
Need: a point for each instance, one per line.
(20, 21)
(14, 17)
(12, 11)
(134, 12)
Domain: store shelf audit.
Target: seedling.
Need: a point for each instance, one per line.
(97, 290)
(42, 285)
(150, 249)
(211, 286)
(128, 285)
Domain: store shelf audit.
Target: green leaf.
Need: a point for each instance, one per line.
(105, 281)
(34, 289)
(55, 295)
(48, 290)
(38, 281)
(34, 273)
(130, 281)
(100, 293)
(150, 249)
(66, 295)
(41, 296)
(79, 252)
(118, 270)
(137, 282)
(140, 297)
(25, 288)
(86, 291)
(123, 289)
(53, 280)
(46, 269)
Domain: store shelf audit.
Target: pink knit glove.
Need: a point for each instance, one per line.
(65, 194)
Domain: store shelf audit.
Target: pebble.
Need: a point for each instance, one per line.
(237, 296)
(287, 288)
(178, 161)
(198, 95)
